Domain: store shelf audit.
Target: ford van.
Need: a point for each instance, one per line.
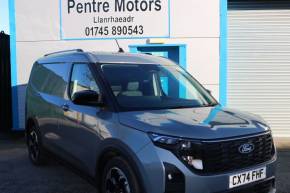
(137, 123)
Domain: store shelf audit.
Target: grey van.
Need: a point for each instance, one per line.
(138, 123)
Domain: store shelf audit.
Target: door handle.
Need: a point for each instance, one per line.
(65, 107)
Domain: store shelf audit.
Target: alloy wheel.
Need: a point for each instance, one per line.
(33, 145)
(117, 182)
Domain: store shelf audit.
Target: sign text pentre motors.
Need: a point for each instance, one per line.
(97, 6)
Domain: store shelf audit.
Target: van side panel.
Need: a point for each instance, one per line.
(47, 86)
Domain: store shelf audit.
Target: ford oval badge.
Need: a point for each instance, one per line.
(246, 148)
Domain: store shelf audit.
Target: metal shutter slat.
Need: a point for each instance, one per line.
(259, 60)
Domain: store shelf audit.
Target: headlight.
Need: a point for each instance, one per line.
(188, 151)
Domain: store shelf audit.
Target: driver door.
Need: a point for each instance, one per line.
(79, 123)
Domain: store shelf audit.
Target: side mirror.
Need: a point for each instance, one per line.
(87, 97)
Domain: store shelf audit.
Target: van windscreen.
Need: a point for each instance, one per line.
(152, 86)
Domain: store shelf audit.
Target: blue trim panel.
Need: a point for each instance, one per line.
(182, 56)
(113, 38)
(60, 19)
(223, 52)
(13, 65)
(156, 45)
(183, 64)
(182, 50)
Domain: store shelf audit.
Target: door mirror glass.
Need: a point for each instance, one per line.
(87, 97)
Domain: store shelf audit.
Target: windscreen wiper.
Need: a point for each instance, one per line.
(210, 105)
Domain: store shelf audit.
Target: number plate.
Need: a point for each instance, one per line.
(247, 177)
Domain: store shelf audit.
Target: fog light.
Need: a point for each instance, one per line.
(170, 177)
(196, 163)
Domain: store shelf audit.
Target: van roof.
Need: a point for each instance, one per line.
(103, 57)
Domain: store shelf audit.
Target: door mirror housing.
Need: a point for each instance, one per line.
(87, 97)
(208, 91)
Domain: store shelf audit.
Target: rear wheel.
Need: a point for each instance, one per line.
(36, 152)
(119, 177)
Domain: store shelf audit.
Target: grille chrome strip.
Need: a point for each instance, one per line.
(236, 138)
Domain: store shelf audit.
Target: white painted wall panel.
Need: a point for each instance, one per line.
(195, 18)
(39, 19)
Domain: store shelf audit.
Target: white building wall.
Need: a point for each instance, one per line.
(193, 22)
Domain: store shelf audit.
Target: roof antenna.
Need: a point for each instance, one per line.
(120, 49)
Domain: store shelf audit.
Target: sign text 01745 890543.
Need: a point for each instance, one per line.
(114, 19)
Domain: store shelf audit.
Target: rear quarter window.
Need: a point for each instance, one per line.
(51, 78)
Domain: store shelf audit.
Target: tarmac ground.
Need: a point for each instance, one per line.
(18, 175)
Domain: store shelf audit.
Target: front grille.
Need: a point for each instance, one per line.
(225, 156)
(263, 187)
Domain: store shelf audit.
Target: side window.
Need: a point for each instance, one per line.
(36, 73)
(82, 79)
(56, 81)
(51, 78)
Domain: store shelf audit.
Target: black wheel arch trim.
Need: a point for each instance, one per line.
(34, 120)
(123, 150)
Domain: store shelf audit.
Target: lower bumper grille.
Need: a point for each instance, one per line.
(263, 187)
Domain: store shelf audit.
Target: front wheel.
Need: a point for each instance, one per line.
(119, 177)
(36, 152)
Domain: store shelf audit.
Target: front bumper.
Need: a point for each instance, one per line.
(153, 158)
(263, 186)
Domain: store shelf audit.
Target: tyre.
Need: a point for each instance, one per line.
(36, 152)
(119, 177)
